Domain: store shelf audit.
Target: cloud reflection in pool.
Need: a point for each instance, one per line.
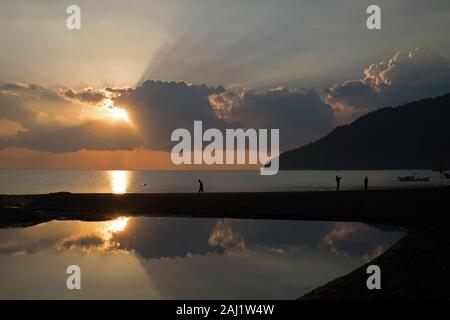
(161, 258)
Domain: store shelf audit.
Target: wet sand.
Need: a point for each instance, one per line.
(416, 267)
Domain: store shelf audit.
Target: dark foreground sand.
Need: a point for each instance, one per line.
(417, 267)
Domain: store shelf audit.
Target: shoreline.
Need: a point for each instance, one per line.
(413, 268)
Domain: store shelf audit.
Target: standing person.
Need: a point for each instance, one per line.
(338, 183)
(200, 189)
(366, 183)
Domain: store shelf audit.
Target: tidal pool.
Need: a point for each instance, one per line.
(183, 258)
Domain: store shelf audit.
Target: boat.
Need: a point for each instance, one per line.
(413, 178)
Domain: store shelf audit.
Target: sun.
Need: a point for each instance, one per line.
(109, 110)
(119, 114)
(118, 224)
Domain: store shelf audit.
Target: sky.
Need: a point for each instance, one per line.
(114, 90)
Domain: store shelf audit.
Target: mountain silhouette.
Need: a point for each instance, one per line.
(412, 136)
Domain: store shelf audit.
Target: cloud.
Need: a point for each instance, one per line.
(236, 234)
(407, 76)
(161, 107)
(88, 95)
(29, 105)
(359, 239)
(85, 242)
(166, 238)
(119, 90)
(157, 108)
(171, 237)
(223, 236)
(9, 128)
(13, 86)
(58, 121)
(301, 116)
(46, 120)
(93, 135)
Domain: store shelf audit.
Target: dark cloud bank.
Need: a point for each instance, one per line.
(157, 108)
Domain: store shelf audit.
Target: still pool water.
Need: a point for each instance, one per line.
(182, 258)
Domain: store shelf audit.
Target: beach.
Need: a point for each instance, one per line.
(423, 212)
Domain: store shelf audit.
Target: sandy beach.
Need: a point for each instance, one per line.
(423, 212)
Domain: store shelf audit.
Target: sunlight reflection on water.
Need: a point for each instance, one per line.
(119, 181)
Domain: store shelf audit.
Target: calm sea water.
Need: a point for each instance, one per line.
(32, 182)
(180, 258)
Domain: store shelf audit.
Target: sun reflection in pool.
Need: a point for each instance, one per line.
(117, 225)
(109, 228)
(119, 181)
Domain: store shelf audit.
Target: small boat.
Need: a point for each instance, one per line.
(413, 178)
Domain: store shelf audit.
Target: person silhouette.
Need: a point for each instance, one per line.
(200, 189)
(366, 183)
(338, 183)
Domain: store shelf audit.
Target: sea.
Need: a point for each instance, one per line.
(122, 181)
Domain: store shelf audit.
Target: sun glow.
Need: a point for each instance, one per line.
(111, 111)
(119, 114)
